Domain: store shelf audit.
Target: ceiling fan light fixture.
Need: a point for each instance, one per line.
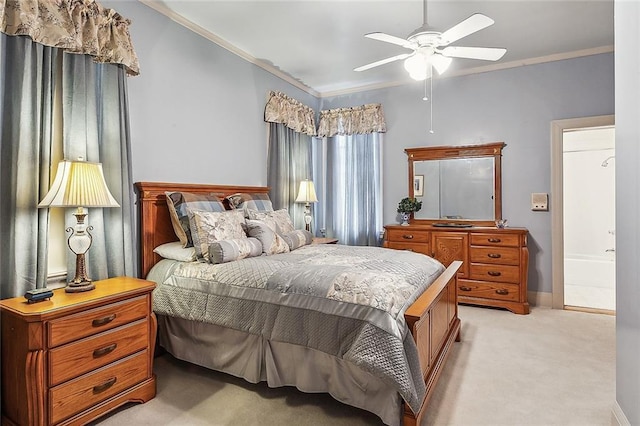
(440, 63)
(418, 66)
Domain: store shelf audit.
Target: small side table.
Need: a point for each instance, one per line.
(324, 241)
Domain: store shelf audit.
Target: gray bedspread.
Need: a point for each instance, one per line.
(346, 301)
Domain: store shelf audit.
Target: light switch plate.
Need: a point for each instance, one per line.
(539, 201)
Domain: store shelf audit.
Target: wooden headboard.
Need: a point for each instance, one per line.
(154, 220)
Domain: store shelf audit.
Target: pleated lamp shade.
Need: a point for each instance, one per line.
(79, 184)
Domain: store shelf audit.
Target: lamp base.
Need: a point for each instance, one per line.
(79, 287)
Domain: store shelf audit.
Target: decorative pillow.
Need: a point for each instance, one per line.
(272, 243)
(298, 238)
(279, 220)
(180, 202)
(245, 201)
(230, 250)
(176, 251)
(209, 227)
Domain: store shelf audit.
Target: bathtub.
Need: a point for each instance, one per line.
(590, 271)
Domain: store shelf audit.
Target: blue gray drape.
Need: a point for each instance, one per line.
(291, 127)
(27, 74)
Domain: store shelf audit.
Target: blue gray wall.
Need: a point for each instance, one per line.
(515, 106)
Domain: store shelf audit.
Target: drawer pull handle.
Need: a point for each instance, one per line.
(494, 273)
(104, 320)
(494, 240)
(494, 255)
(465, 288)
(106, 385)
(407, 237)
(103, 351)
(502, 291)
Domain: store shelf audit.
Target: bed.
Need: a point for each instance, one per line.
(353, 371)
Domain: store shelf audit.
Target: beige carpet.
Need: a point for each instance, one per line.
(551, 367)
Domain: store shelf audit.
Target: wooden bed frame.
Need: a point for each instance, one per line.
(432, 319)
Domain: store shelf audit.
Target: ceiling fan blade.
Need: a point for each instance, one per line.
(483, 53)
(383, 61)
(389, 39)
(473, 23)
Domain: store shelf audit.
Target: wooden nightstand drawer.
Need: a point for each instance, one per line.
(417, 247)
(85, 391)
(495, 239)
(96, 320)
(498, 255)
(408, 235)
(489, 290)
(77, 358)
(496, 273)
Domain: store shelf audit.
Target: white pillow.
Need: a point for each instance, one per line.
(175, 251)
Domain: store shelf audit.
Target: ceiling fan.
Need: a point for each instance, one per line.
(431, 48)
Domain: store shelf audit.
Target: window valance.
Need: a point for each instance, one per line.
(76, 26)
(281, 108)
(349, 121)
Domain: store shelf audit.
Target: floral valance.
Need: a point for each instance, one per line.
(349, 121)
(281, 108)
(76, 26)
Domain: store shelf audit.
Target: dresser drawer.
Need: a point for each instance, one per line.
(417, 247)
(407, 235)
(74, 327)
(74, 396)
(488, 290)
(499, 273)
(497, 255)
(77, 358)
(495, 239)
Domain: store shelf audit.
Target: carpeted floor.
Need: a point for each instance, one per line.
(551, 367)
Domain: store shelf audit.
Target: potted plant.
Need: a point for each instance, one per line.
(407, 206)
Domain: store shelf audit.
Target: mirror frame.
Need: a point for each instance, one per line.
(469, 151)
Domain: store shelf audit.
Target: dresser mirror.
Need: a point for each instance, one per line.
(458, 185)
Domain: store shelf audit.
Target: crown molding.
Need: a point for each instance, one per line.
(162, 9)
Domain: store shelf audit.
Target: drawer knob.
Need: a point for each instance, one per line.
(502, 291)
(494, 273)
(106, 385)
(465, 288)
(494, 255)
(104, 320)
(103, 351)
(494, 240)
(407, 237)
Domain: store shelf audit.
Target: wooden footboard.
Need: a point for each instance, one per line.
(434, 323)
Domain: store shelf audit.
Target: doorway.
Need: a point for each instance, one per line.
(583, 213)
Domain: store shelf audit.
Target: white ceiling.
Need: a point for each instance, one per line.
(317, 43)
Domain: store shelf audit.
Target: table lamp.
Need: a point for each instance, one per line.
(79, 184)
(307, 194)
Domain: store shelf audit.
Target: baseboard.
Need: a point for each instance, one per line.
(538, 298)
(617, 416)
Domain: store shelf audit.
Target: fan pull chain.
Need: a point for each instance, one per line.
(431, 105)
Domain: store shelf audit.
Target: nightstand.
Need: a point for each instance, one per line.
(324, 241)
(77, 356)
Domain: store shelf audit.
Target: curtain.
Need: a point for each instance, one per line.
(75, 26)
(353, 173)
(27, 74)
(291, 127)
(96, 127)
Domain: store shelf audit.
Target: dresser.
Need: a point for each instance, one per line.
(77, 356)
(495, 260)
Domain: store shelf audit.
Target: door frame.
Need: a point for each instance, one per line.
(557, 212)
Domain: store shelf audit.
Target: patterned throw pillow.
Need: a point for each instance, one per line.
(245, 201)
(230, 250)
(272, 243)
(209, 227)
(279, 220)
(298, 238)
(180, 202)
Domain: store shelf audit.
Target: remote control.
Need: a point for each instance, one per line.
(38, 294)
